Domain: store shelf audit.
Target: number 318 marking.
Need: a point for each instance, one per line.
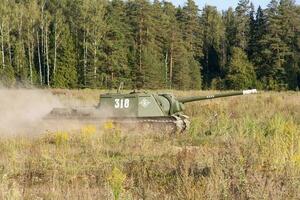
(122, 103)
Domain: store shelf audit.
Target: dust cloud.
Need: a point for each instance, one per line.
(22, 110)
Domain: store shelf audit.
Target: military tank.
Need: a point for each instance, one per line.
(139, 108)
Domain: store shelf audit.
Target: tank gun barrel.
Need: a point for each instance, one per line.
(201, 98)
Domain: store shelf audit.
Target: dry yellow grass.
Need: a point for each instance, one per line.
(237, 148)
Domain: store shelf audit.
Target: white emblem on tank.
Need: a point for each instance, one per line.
(145, 103)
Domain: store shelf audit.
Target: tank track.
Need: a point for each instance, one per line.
(173, 124)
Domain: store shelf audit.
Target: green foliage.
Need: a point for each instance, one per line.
(189, 22)
(116, 181)
(154, 73)
(273, 47)
(7, 76)
(195, 74)
(20, 63)
(241, 73)
(147, 44)
(230, 32)
(66, 74)
(181, 76)
(188, 19)
(213, 40)
(242, 12)
(115, 46)
(61, 138)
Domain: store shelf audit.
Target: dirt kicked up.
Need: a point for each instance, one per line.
(22, 110)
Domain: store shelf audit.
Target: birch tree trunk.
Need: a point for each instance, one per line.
(30, 63)
(47, 56)
(55, 48)
(171, 63)
(95, 60)
(20, 61)
(166, 69)
(42, 44)
(84, 58)
(2, 44)
(9, 47)
(39, 58)
(140, 54)
(32, 58)
(29, 56)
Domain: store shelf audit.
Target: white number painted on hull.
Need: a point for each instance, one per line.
(122, 103)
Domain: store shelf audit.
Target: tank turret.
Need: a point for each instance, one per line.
(139, 107)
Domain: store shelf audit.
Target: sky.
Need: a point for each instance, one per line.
(223, 5)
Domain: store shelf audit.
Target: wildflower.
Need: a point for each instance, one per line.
(88, 131)
(109, 125)
(61, 137)
(116, 181)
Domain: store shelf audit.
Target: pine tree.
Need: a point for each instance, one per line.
(252, 44)
(271, 70)
(181, 75)
(190, 26)
(189, 20)
(154, 77)
(290, 25)
(230, 32)
(241, 72)
(176, 55)
(297, 46)
(143, 49)
(115, 68)
(213, 41)
(258, 30)
(66, 76)
(242, 13)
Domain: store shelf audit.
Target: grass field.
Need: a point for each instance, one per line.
(237, 148)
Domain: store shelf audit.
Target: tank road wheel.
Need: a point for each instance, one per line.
(182, 123)
(150, 125)
(159, 126)
(187, 124)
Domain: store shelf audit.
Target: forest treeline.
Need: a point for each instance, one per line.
(149, 44)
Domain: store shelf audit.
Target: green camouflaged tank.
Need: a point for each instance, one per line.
(142, 108)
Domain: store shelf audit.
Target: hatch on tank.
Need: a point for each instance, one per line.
(129, 105)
